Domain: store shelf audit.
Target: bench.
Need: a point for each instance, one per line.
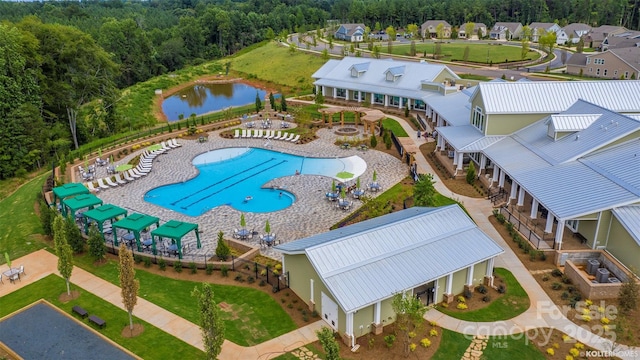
(96, 320)
(80, 311)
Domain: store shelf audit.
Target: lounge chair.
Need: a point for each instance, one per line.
(91, 187)
(119, 180)
(134, 175)
(174, 142)
(165, 147)
(127, 176)
(143, 169)
(244, 133)
(257, 134)
(284, 136)
(269, 135)
(102, 185)
(289, 138)
(146, 154)
(137, 172)
(295, 139)
(237, 134)
(110, 182)
(277, 137)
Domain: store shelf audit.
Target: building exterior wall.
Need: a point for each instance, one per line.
(479, 271)
(622, 245)
(505, 124)
(603, 230)
(459, 281)
(587, 228)
(613, 67)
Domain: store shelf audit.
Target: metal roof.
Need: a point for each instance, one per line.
(460, 136)
(361, 67)
(454, 108)
(397, 70)
(421, 245)
(549, 97)
(629, 217)
(620, 164)
(572, 122)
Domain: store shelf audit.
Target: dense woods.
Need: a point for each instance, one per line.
(58, 57)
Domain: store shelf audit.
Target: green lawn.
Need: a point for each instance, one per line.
(395, 127)
(255, 317)
(452, 345)
(478, 53)
(153, 343)
(507, 347)
(513, 303)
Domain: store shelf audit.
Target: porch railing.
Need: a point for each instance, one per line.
(521, 223)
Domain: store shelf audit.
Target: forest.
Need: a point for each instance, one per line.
(58, 57)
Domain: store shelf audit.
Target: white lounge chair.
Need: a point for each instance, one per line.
(101, 184)
(138, 172)
(237, 134)
(133, 174)
(110, 182)
(92, 188)
(257, 134)
(119, 179)
(244, 133)
(127, 177)
(174, 142)
(143, 170)
(295, 139)
(284, 136)
(165, 147)
(146, 154)
(289, 138)
(277, 137)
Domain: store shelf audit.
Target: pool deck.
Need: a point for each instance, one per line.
(309, 215)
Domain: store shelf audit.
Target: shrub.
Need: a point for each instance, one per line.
(543, 256)
(433, 332)
(461, 306)
(550, 351)
(290, 306)
(545, 277)
(461, 299)
(373, 142)
(586, 318)
(501, 219)
(482, 289)
(556, 273)
(137, 259)
(574, 352)
(262, 283)
(604, 320)
(389, 340)
(162, 264)
(468, 294)
(251, 279)
(565, 295)
(471, 174)
(193, 267)
(147, 262)
(556, 286)
(222, 250)
(486, 298)
(566, 280)
(412, 334)
(579, 346)
(425, 342)
(571, 289)
(209, 269)
(239, 278)
(502, 289)
(224, 271)
(433, 323)
(412, 347)
(177, 266)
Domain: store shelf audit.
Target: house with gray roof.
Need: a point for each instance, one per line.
(596, 36)
(623, 40)
(350, 275)
(572, 33)
(429, 29)
(618, 63)
(540, 28)
(387, 83)
(506, 31)
(350, 32)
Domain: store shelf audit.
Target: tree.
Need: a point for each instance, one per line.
(437, 50)
(376, 52)
(258, 102)
(222, 249)
(409, 316)
(329, 344)
(211, 324)
(97, 248)
(580, 45)
(525, 49)
(47, 215)
(414, 30)
(468, 30)
(628, 295)
(63, 250)
(412, 48)
(74, 235)
(373, 141)
(319, 98)
(440, 31)
(471, 174)
(283, 102)
(391, 33)
(129, 285)
(272, 100)
(423, 191)
(548, 40)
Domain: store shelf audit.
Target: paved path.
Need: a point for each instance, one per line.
(41, 263)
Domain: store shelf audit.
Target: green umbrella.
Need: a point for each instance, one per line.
(86, 162)
(375, 176)
(267, 227)
(100, 153)
(124, 167)
(343, 194)
(243, 223)
(111, 159)
(155, 147)
(6, 257)
(344, 175)
(358, 183)
(333, 186)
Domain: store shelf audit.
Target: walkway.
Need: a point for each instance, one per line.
(42, 263)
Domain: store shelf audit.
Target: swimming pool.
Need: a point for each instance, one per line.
(236, 176)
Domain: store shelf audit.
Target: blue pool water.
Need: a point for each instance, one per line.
(235, 177)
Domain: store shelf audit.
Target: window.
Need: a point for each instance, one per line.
(478, 118)
(341, 93)
(419, 104)
(605, 72)
(354, 95)
(590, 69)
(626, 74)
(598, 61)
(588, 61)
(615, 72)
(573, 225)
(390, 76)
(598, 71)
(394, 101)
(378, 99)
(354, 72)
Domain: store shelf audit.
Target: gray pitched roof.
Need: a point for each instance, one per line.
(453, 108)
(548, 97)
(574, 28)
(630, 55)
(394, 252)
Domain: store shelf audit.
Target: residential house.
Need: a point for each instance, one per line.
(479, 31)
(623, 40)
(350, 32)
(572, 33)
(350, 275)
(429, 29)
(619, 63)
(506, 31)
(388, 83)
(540, 28)
(596, 36)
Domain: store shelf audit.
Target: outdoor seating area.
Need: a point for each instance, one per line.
(266, 134)
(13, 274)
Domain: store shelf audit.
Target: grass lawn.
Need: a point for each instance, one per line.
(254, 316)
(478, 53)
(514, 302)
(280, 66)
(452, 346)
(21, 229)
(508, 347)
(153, 343)
(395, 127)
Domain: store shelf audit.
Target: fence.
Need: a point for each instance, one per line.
(523, 227)
(421, 121)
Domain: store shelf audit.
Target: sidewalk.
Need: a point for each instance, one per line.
(42, 263)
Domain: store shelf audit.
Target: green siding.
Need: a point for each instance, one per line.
(505, 124)
(299, 277)
(588, 229)
(622, 245)
(459, 281)
(479, 271)
(603, 232)
(439, 296)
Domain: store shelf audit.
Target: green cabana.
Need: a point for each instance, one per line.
(102, 214)
(67, 190)
(134, 223)
(80, 202)
(175, 230)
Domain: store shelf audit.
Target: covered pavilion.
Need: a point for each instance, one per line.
(370, 118)
(102, 214)
(68, 190)
(80, 202)
(175, 230)
(134, 223)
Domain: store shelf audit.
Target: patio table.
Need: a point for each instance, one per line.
(269, 239)
(358, 193)
(243, 233)
(332, 196)
(11, 272)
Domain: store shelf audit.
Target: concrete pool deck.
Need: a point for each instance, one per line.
(310, 214)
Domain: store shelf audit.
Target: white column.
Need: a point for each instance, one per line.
(349, 328)
(324, 91)
(386, 100)
(311, 292)
(455, 157)
(470, 275)
(489, 272)
(409, 102)
(460, 161)
(534, 209)
(440, 142)
(514, 190)
(376, 312)
(335, 92)
(439, 121)
(449, 283)
(346, 94)
(359, 96)
(318, 89)
(549, 225)
(483, 161)
(496, 173)
(501, 180)
(559, 233)
(400, 103)
(520, 196)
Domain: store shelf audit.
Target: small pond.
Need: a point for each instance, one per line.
(204, 98)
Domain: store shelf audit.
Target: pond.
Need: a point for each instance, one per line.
(206, 97)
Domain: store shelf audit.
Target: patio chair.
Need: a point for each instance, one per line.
(133, 174)
(165, 147)
(21, 271)
(236, 134)
(269, 134)
(110, 182)
(127, 177)
(175, 143)
(144, 170)
(291, 136)
(120, 180)
(15, 277)
(137, 172)
(102, 185)
(244, 133)
(284, 136)
(277, 137)
(258, 134)
(91, 187)
(295, 139)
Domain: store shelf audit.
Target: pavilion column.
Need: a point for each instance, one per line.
(559, 234)
(514, 190)
(455, 157)
(335, 92)
(496, 173)
(488, 276)
(460, 160)
(448, 296)
(470, 275)
(386, 100)
(409, 103)
(359, 96)
(439, 121)
(549, 225)
(318, 89)
(400, 103)
(520, 196)
(483, 162)
(377, 322)
(501, 180)
(534, 209)
(440, 143)
(346, 94)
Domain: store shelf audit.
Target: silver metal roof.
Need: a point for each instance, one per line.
(460, 136)
(620, 164)
(572, 122)
(421, 245)
(454, 108)
(549, 97)
(629, 217)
